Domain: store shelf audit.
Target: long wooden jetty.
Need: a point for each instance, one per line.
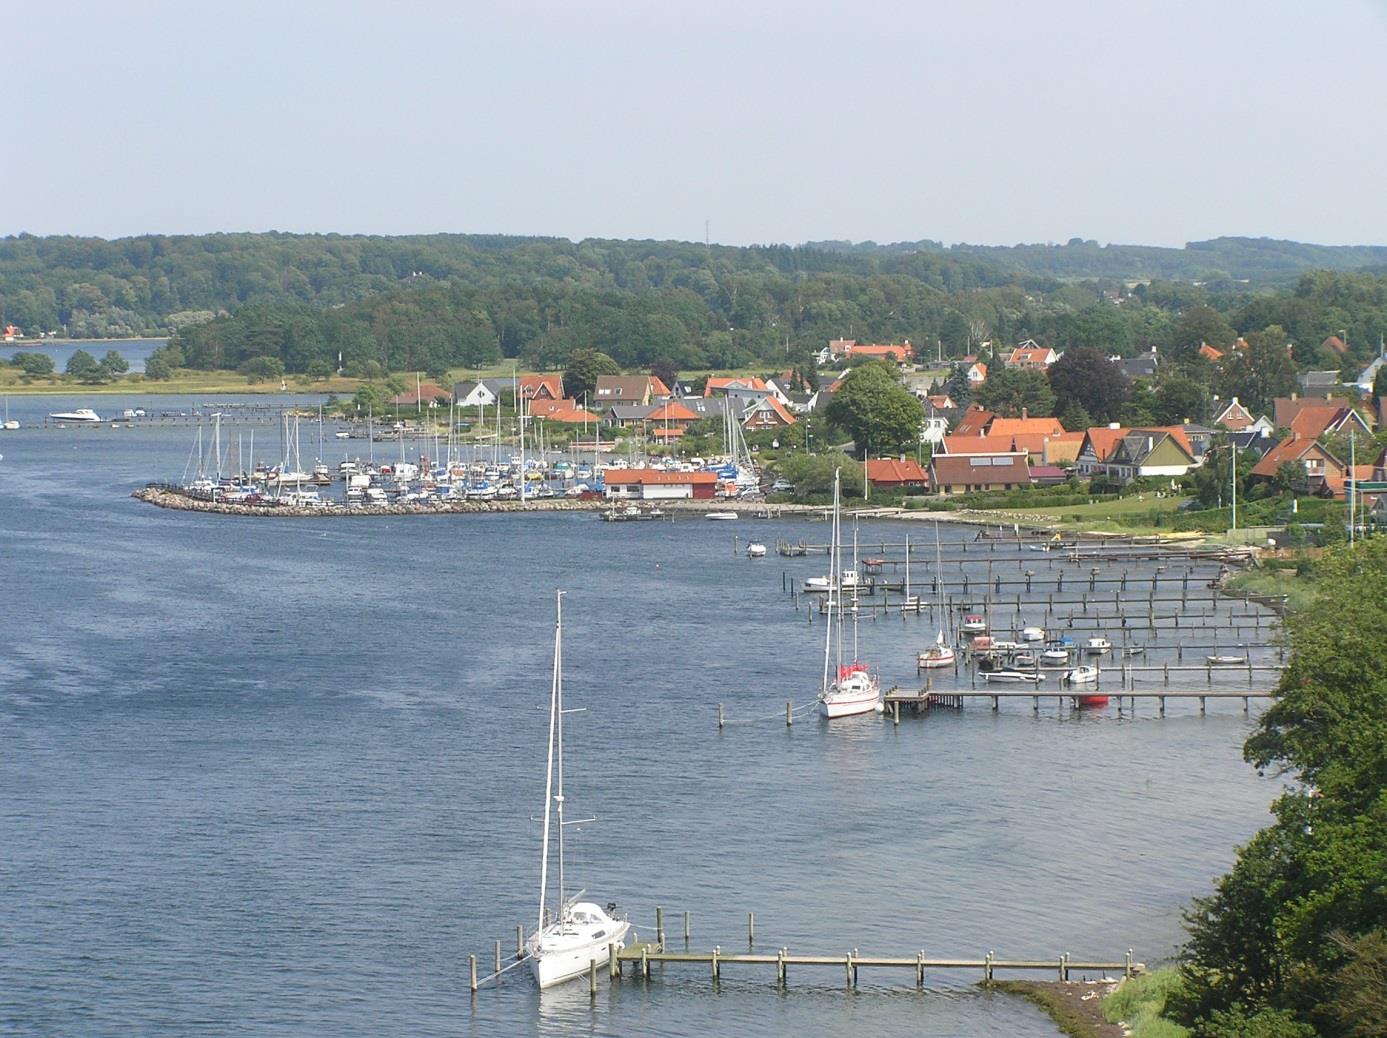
(923, 700)
(643, 956)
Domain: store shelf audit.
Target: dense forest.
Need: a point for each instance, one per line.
(429, 303)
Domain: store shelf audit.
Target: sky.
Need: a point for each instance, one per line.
(982, 121)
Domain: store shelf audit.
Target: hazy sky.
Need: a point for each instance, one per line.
(973, 120)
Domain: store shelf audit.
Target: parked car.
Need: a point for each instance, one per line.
(782, 486)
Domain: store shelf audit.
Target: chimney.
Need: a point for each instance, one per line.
(1114, 425)
(1024, 414)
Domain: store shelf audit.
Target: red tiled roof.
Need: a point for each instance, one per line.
(775, 405)
(1103, 439)
(1292, 448)
(671, 411)
(732, 382)
(974, 421)
(889, 471)
(1012, 426)
(422, 394)
(650, 477)
(532, 386)
(957, 444)
(1335, 344)
(1313, 421)
(1210, 353)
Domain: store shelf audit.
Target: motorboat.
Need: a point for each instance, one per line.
(756, 550)
(566, 943)
(1097, 646)
(1226, 661)
(974, 623)
(80, 415)
(723, 516)
(1025, 658)
(1010, 674)
(1082, 675)
(1032, 634)
(1091, 699)
(823, 585)
(1054, 656)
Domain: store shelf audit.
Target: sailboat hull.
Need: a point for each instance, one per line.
(556, 958)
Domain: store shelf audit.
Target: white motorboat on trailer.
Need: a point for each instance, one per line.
(564, 945)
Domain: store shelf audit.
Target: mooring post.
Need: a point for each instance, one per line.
(498, 963)
(750, 928)
(987, 968)
(1127, 970)
(789, 714)
(780, 967)
(645, 961)
(660, 925)
(848, 970)
(592, 977)
(1162, 698)
(717, 966)
(920, 969)
(613, 963)
(686, 926)
(519, 943)
(721, 720)
(1201, 706)
(472, 973)
(895, 713)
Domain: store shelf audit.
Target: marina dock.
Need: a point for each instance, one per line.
(643, 956)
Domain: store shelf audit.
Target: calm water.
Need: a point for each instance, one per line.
(136, 351)
(277, 777)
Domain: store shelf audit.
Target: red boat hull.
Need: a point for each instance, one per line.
(1091, 700)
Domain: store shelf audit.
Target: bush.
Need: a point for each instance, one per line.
(262, 369)
(33, 364)
(1264, 1023)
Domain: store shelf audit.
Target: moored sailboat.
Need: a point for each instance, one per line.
(854, 688)
(567, 941)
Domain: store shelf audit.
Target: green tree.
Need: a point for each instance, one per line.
(1261, 372)
(1197, 326)
(1380, 382)
(1010, 391)
(1180, 399)
(83, 366)
(585, 366)
(1277, 932)
(262, 369)
(33, 364)
(157, 368)
(113, 365)
(812, 474)
(1085, 378)
(881, 415)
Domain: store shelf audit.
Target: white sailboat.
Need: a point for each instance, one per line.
(10, 423)
(941, 653)
(854, 689)
(566, 942)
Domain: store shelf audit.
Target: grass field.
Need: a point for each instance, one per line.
(184, 382)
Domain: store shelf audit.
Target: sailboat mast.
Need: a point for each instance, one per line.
(558, 743)
(549, 761)
(832, 548)
(836, 575)
(854, 590)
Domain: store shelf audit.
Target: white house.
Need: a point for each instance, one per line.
(473, 394)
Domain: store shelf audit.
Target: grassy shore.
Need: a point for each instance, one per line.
(1130, 1010)
(184, 382)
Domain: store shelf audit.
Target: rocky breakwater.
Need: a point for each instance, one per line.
(167, 497)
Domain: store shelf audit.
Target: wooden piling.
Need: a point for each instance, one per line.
(660, 926)
(498, 963)
(751, 928)
(686, 927)
(592, 977)
(920, 970)
(789, 713)
(472, 973)
(717, 967)
(613, 963)
(519, 943)
(780, 967)
(721, 720)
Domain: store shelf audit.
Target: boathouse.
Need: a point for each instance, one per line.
(658, 485)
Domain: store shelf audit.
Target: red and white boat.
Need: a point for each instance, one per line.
(854, 688)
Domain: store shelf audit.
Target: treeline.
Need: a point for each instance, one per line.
(1221, 264)
(150, 284)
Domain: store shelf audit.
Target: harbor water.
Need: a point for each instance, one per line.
(279, 777)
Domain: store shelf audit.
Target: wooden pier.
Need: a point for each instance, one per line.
(643, 956)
